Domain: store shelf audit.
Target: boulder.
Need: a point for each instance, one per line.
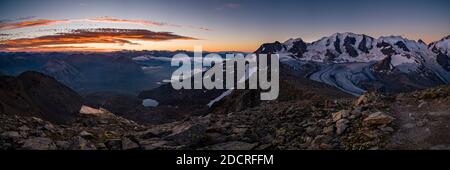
(114, 144)
(328, 130)
(366, 99)
(39, 143)
(153, 144)
(188, 133)
(156, 131)
(86, 135)
(320, 140)
(62, 144)
(128, 144)
(89, 111)
(10, 135)
(79, 143)
(341, 125)
(24, 128)
(341, 114)
(378, 118)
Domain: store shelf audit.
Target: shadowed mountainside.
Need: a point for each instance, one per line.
(35, 94)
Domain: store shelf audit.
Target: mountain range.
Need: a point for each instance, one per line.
(356, 63)
(346, 62)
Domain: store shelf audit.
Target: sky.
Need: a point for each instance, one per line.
(216, 25)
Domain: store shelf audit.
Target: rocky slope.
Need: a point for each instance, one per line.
(416, 120)
(36, 94)
(132, 108)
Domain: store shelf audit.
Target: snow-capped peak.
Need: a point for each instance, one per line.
(290, 42)
(442, 49)
(340, 47)
(350, 47)
(402, 43)
(441, 46)
(348, 60)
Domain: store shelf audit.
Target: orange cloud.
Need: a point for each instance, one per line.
(65, 48)
(87, 36)
(117, 20)
(8, 24)
(24, 24)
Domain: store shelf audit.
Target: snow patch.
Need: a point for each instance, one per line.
(224, 94)
(399, 60)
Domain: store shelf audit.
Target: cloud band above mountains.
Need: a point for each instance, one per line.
(8, 25)
(25, 24)
(86, 36)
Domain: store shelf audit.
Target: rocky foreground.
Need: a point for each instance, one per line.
(417, 120)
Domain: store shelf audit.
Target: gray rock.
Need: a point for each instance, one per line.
(37, 133)
(356, 113)
(101, 146)
(188, 133)
(409, 125)
(267, 139)
(232, 145)
(39, 143)
(154, 144)
(421, 123)
(329, 130)
(311, 130)
(37, 120)
(127, 144)
(86, 135)
(320, 140)
(114, 144)
(62, 144)
(264, 147)
(365, 99)
(387, 129)
(11, 135)
(341, 126)
(79, 143)
(239, 130)
(214, 138)
(48, 127)
(378, 118)
(440, 147)
(157, 131)
(340, 115)
(24, 128)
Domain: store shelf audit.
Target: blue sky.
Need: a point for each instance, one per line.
(232, 24)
